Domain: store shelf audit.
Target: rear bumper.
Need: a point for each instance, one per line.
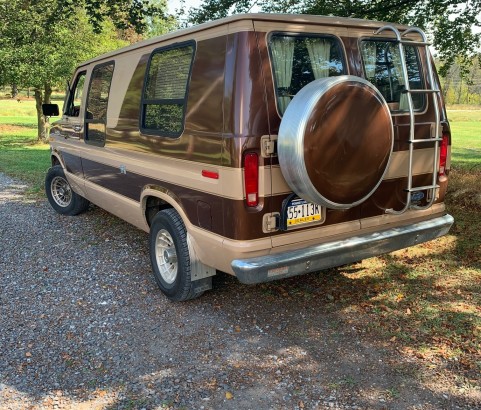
(327, 255)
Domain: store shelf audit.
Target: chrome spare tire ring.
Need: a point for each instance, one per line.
(335, 141)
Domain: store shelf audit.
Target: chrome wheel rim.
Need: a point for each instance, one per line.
(166, 256)
(61, 192)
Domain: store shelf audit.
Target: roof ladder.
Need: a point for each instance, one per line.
(436, 139)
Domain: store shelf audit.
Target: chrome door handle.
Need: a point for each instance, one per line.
(77, 128)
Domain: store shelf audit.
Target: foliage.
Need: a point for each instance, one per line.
(56, 50)
(42, 42)
(449, 22)
(125, 14)
(463, 87)
(160, 24)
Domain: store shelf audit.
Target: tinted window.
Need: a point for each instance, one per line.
(72, 108)
(164, 97)
(98, 96)
(97, 103)
(382, 67)
(299, 60)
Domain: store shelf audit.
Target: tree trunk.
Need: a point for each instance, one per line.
(42, 97)
(460, 91)
(14, 90)
(42, 133)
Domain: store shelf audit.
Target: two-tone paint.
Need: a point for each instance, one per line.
(231, 107)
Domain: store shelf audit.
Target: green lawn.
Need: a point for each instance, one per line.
(466, 137)
(20, 154)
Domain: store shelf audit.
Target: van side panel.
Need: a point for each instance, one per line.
(132, 160)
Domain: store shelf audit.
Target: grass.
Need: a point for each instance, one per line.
(423, 301)
(21, 156)
(466, 137)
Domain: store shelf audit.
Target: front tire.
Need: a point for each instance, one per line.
(170, 257)
(60, 194)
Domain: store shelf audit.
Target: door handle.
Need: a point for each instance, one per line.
(77, 128)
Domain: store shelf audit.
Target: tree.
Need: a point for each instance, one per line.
(42, 42)
(464, 88)
(449, 22)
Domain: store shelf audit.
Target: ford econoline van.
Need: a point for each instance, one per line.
(261, 145)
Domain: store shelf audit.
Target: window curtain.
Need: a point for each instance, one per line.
(369, 51)
(396, 59)
(320, 54)
(283, 55)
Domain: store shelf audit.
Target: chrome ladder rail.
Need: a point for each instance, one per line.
(412, 139)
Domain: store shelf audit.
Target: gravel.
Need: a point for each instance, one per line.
(83, 325)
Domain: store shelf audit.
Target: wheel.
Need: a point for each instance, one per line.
(170, 257)
(335, 141)
(60, 194)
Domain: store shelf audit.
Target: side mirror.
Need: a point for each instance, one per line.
(50, 110)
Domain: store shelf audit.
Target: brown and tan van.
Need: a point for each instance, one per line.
(261, 145)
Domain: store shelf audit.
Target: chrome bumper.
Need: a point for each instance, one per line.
(327, 255)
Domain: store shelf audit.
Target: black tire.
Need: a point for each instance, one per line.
(60, 194)
(170, 257)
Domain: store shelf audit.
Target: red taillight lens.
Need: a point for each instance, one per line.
(251, 178)
(443, 154)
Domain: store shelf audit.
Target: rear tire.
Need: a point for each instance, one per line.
(170, 257)
(60, 194)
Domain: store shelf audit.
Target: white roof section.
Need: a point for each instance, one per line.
(271, 17)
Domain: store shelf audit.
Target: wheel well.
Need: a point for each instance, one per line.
(154, 205)
(55, 161)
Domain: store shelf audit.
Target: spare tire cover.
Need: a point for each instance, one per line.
(335, 141)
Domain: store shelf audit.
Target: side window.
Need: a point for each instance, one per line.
(298, 60)
(97, 102)
(165, 90)
(72, 108)
(382, 67)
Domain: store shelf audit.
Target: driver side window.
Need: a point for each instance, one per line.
(72, 108)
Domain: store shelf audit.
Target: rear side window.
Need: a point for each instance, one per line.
(300, 59)
(165, 90)
(382, 67)
(97, 102)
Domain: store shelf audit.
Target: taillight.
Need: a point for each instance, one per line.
(443, 154)
(251, 178)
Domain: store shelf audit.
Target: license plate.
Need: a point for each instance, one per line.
(301, 212)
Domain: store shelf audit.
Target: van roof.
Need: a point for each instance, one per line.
(285, 18)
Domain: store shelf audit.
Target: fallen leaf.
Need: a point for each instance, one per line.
(28, 354)
(237, 329)
(301, 404)
(408, 311)
(229, 395)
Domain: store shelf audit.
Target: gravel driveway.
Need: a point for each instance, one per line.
(83, 326)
